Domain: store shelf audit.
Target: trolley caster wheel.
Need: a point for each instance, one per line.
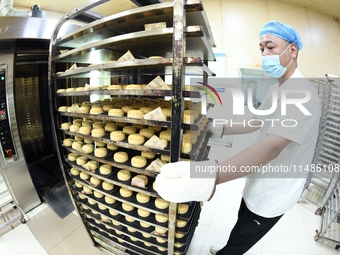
(15, 207)
(318, 211)
(337, 247)
(23, 220)
(317, 238)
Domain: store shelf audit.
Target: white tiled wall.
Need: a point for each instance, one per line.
(236, 25)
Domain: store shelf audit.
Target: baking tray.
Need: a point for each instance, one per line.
(185, 241)
(106, 117)
(128, 244)
(150, 206)
(109, 160)
(112, 178)
(109, 228)
(192, 64)
(166, 151)
(124, 144)
(104, 241)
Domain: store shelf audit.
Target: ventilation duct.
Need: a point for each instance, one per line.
(6, 9)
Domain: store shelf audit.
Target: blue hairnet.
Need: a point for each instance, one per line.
(283, 31)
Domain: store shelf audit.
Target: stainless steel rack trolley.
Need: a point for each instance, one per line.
(320, 180)
(328, 154)
(99, 75)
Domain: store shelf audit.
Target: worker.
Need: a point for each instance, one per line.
(276, 165)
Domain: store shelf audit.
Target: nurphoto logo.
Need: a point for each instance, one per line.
(281, 98)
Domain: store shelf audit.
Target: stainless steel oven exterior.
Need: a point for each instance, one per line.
(23, 67)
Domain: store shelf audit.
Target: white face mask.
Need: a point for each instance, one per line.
(272, 66)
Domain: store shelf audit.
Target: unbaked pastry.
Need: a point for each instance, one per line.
(74, 171)
(182, 208)
(117, 136)
(107, 107)
(65, 126)
(127, 207)
(129, 130)
(181, 223)
(100, 152)
(166, 135)
(72, 156)
(129, 219)
(157, 129)
(110, 127)
(144, 224)
(135, 114)
(87, 123)
(105, 169)
(74, 128)
(186, 147)
(98, 124)
(124, 192)
(188, 137)
(147, 133)
(161, 203)
(142, 198)
(188, 119)
(136, 139)
(77, 146)
(107, 186)
(143, 213)
(84, 176)
(120, 157)
(124, 175)
(113, 87)
(98, 132)
(113, 212)
(98, 194)
(95, 181)
(84, 130)
(96, 110)
(148, 154)
(160, 230)
(138, 161)
(112, 147)
(91, 165)
(116, 112)
(81, 160)
(109, 200)
(84, 109)
(87, 148)
(162, 218)
(67, 142)
(127, 108)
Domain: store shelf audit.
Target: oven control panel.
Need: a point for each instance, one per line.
(6, 141)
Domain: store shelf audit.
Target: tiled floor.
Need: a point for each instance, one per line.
(45, 233)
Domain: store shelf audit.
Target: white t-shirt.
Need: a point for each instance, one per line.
(271, 195)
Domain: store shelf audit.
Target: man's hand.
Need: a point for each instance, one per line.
(182, 182)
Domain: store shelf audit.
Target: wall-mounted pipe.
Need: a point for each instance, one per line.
(6, 9)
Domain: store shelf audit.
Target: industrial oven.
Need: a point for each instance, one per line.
(28, 160)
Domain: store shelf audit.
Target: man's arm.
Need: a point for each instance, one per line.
(242, 127)
(257, 154)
